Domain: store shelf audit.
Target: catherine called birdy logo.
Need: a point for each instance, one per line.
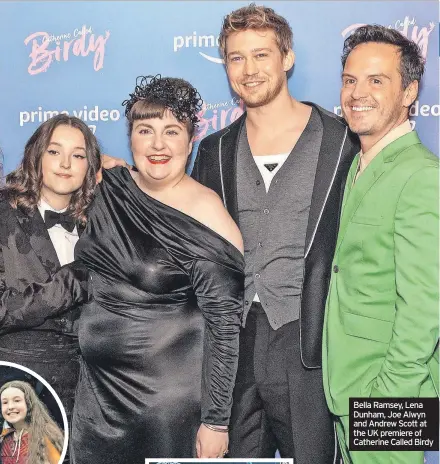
(409, 28)
(218, 115)
(418, 34)
(49, 47)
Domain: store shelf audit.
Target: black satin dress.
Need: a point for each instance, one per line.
(167, 301)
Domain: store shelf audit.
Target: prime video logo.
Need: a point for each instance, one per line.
(197, 41)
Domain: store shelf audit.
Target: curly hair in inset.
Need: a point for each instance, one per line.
(40, 426)
(155, 94)
(23, 186)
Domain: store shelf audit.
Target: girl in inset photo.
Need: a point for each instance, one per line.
(30, 435)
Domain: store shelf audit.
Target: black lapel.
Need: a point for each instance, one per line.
(33, 226)
(333, 139)
(228, 147)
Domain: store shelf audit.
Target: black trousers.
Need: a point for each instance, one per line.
(278, 403)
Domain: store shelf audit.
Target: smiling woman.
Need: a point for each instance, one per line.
(60, 159)
(32, 436)
(63, 165)
(160, 338)
(161, 147)
(43, 208)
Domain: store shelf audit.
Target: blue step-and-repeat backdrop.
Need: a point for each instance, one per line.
(82, 58)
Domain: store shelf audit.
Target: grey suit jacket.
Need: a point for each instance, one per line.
(216, 167)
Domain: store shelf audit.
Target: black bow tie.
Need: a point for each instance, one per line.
(52, 218)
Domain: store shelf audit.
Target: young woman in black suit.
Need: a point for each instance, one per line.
(43, 209)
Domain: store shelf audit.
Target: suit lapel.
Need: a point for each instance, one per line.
(354, 194)
(328, 162)
(34, 228)
(349, 181)
(228, 146)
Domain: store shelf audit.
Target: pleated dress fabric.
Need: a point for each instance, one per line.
(159, 340)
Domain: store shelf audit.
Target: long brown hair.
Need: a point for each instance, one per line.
(23, 186)
(40, 426)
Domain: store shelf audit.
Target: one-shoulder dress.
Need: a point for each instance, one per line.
(159, 340)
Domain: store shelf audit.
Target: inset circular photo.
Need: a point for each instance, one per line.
(33, 420)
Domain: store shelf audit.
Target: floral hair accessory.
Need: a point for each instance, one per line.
(179, 96)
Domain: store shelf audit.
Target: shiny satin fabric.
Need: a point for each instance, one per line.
(160, 338)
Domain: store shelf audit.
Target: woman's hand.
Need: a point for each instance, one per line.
(211, 444)
(109, 162)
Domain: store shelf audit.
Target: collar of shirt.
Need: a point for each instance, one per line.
(391, 136)
(44, 206)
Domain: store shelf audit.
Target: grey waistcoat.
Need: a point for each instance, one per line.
(274, 224)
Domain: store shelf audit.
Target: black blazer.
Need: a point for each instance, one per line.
(216, 167)
(33, 287)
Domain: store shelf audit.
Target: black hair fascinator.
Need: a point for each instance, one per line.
(179, 96)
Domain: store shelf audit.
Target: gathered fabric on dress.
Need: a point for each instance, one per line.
(159, 340)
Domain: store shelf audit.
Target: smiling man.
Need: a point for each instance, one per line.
(381, 328)
(279, 170)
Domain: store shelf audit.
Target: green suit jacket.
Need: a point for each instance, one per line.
(382, 315)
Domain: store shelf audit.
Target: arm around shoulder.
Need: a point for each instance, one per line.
(66, 289)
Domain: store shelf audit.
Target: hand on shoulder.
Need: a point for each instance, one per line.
(108, 162)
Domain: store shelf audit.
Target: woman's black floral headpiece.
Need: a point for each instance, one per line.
(180, 97)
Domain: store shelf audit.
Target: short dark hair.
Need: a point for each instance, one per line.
(153, 95)
(412, 63)
(23, 186)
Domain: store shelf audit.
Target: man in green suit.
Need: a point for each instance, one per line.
(381, 323)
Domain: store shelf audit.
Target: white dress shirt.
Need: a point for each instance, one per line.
(394, 134)
(63, 241)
